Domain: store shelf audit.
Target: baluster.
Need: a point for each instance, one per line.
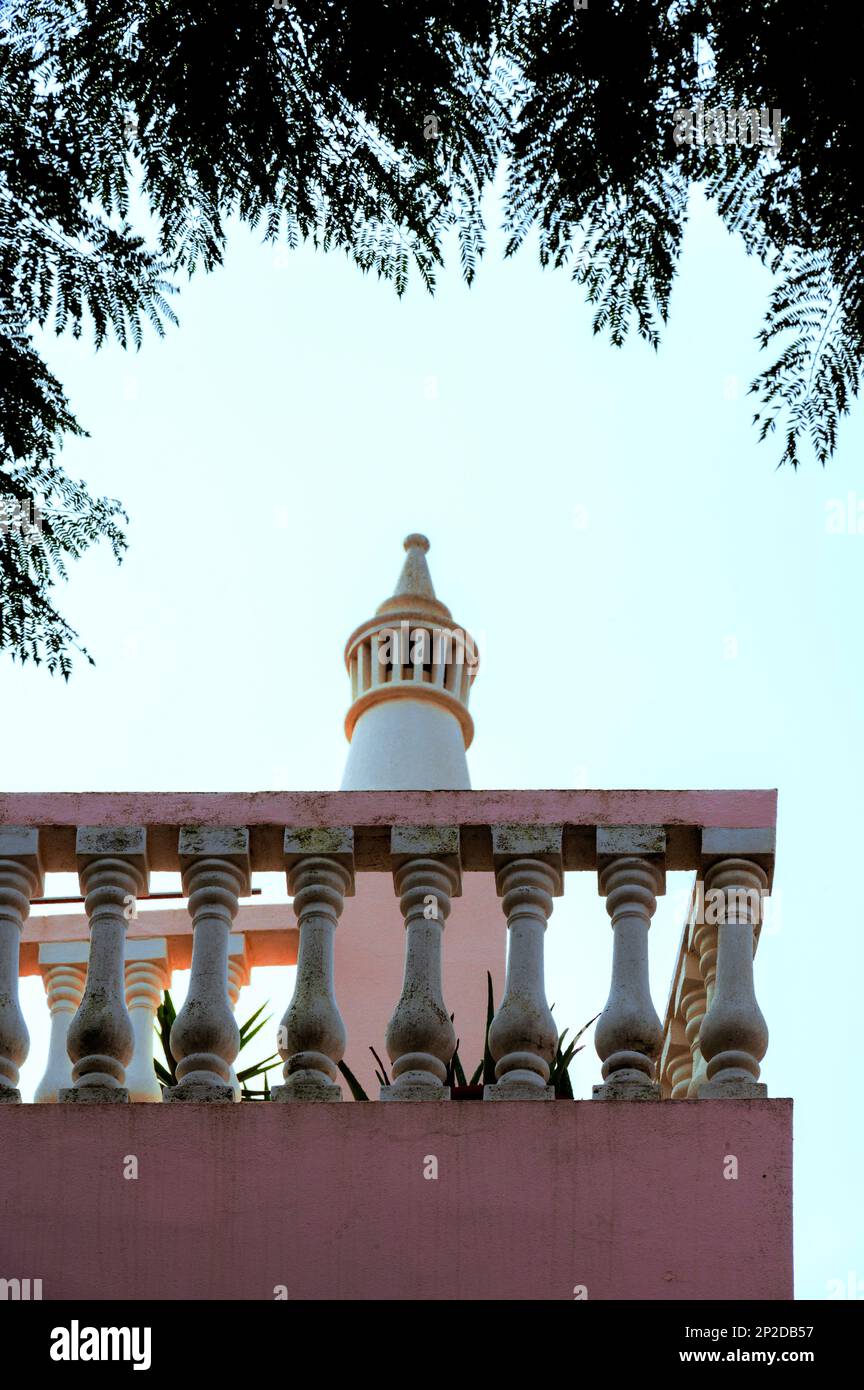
(320, 869)
(147, 976)
(673, 1069)
(628, 1037)
(676, 1061)
(523, 1037)
(205, 1038)
(21, 878)
(699, 996)
(689, 1003)
(63, 967)
(420, 1038)
(734, 1036)
(239, 975)
(112, 869)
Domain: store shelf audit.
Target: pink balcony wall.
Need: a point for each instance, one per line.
(626, 1200)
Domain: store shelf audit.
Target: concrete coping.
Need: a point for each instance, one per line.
(683, 816)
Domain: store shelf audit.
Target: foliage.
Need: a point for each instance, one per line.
(559, 1072)
(167, 1073)
(596, 170)
(375, 130)
(307, 121)
(559, 1075)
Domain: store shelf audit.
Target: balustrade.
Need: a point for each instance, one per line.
(103, 995)
(713, 997)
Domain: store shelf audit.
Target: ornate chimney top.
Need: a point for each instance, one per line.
(412, 650)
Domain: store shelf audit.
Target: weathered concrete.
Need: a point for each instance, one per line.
(330, 1201)
(93, 1095)
(198, 1093)
(626, 1090)
(732, 1090)
(518, 1090)
(684, 814)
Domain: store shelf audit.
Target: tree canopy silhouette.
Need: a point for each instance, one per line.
(375, 127)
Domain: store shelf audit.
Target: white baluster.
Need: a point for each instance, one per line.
(147, 976)
(734, 1037)
(523, 1037)
(689, 997)
(239, 975)
(629, 1035)
(205, 1038)
(112, 869)
(703, 936)
(675, 1061)
(420, 1038)
(320, 867)
(63, 967)
(21, 878)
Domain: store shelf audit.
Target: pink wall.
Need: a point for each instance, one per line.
(370, 948)
(627, 1199)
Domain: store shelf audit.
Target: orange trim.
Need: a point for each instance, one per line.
(409, 690)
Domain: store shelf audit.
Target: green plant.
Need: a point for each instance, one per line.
(353, 1084)
(559, 1073)
(167, 1073)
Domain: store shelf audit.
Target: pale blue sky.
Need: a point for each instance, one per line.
(655, 604)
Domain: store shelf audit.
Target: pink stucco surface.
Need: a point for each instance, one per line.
(530, 1201)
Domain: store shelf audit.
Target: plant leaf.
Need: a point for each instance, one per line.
(384, 1078)
(353, 1084)
(489, 1077)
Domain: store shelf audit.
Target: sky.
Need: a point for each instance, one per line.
(655, 603)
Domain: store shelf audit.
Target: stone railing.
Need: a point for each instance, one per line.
(714, 1035)
(104, 977)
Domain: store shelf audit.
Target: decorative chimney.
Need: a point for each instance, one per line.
(411, 670)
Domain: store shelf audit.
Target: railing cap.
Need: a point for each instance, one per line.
(645, 841)
(118, 841)
(217, 841)
(336, 841)
(21, 842)
(440, 842)
(755, 843)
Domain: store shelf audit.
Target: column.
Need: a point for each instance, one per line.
(112, 869)
(523, 1037)
(148, 975)
(21, 878)
(734, 1035)
(311, 1039)
(204, 1039)
(420, 1038)
(628, 1037)
(63, 967)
